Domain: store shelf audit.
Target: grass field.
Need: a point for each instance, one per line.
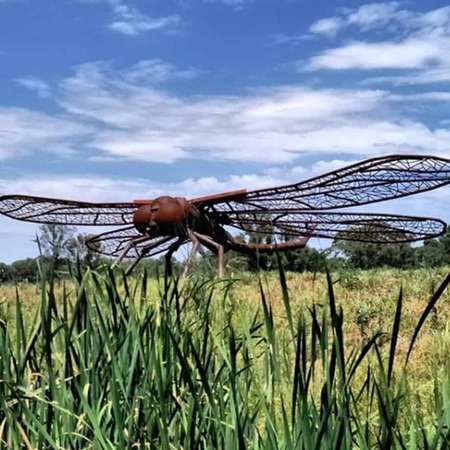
(268, 361)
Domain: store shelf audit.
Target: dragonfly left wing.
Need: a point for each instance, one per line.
(66, 212)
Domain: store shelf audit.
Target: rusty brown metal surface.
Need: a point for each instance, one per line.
(300, 211)
(276, 246)
(224, 196)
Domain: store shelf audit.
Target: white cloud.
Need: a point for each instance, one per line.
(141, 122)
(137, 23)
(280, 38)
(236, 4)
(433, 96)
(155, 71)
(365, 18)
(23, 131)
(41, 88)
(148, 72)
(130, 21)
(380, 137)
(418, 44)
(327, 27)
(433, 24)
(409, 54)
(420, 77)
(115, 189)
(144, 123)
(376, 15)
(130, 117)
(387, 16)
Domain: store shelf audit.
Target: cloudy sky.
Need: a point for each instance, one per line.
(111, 100)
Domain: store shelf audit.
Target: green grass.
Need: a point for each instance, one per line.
(105, 362)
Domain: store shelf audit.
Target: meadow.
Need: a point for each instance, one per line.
(354, 359)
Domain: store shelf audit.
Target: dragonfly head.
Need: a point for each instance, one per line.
(161, 211)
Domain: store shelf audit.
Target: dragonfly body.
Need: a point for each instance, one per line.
(179, 218)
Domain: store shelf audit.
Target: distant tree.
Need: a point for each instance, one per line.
(307, 260)
(53, 240)
(6, 273)
(445, 242)
(206, 262)
(363, 255)
(435, 252)
(431, 254)
(261, 260)
(76, 249)
(155, 267)
(25, 269)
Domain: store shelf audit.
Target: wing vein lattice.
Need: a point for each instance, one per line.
(370, 181)
(67, 212)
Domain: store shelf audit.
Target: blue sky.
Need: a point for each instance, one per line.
(110, 100)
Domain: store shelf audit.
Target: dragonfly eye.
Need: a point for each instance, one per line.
(142, 218)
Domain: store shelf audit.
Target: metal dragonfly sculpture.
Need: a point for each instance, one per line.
(301, 211)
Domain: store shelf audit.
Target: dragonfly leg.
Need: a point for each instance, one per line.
(144, 251)
(194, 250)
(220, 250)
(141, 254)
(134, 264)
(127, 248)
(122, 255)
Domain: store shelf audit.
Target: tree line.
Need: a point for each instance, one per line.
(60, 247)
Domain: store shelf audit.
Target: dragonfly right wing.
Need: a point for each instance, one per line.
(369, 181)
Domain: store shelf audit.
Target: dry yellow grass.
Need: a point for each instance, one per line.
(369, 300)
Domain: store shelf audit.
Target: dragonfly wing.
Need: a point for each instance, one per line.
(377, 228)
(67, 212)
(129, 243)
(369, 181)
